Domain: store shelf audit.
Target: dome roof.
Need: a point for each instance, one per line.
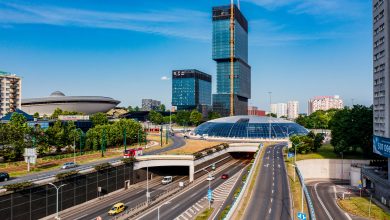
(57, 94)
(247, 126)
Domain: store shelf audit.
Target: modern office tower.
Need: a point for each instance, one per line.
(227, 35)
(11, 92)
(381, 88)
(324, 103)
(150, 104)
(292, 109)
(191, 89)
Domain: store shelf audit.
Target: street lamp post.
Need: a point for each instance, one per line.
(147, 185)
(295, 157)
(57, 188)
(209, 185)
(158, 209)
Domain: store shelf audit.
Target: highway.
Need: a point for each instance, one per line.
(182, 202)
(270, 199)
(130, 198)
(323, 195)
(177, 143)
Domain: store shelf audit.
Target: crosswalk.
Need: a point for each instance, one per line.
(220, 194)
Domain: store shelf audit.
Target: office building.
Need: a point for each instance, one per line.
(222, 54)
(150, 104)
(191, 89)
(324, 103)
(11, 93)
(379, 178)
(253, 110)
(292, 109)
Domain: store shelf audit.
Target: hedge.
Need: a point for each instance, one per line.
(61, 176)
(18, 186)
(102, 166)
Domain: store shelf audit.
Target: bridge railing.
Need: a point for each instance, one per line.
(307, 195)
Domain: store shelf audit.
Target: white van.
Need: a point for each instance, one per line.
(166, 180)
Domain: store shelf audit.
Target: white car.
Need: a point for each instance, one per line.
(166, 180)
(210, 178)
(69, 165)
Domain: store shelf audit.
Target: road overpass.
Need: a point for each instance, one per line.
(190, 161)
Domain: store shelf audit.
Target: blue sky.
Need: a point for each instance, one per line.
(126, 48)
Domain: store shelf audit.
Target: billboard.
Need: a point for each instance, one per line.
(73, 117)
(382, 146)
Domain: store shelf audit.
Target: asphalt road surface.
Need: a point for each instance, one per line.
(177, 143)
(181, 203)
(323, 195)
(270, 199)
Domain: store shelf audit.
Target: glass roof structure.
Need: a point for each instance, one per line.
(251, 127)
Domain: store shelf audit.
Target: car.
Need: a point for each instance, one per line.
(166, 180)
(69, 165)
(4, 176)
(224, 176)
(210, 178)
(117, 208)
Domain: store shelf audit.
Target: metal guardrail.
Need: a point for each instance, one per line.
(370, 174)
(237, 201)
(307, 195)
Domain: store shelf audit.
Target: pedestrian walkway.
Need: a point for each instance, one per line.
(220, 194)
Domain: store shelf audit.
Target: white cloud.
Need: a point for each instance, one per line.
(164, 22)
(164, 78)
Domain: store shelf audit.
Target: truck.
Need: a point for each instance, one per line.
(132, 153)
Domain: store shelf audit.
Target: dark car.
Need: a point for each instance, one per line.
(4, 176)
(224, 176)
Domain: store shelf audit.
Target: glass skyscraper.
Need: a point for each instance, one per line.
(191, 89)
(221, 54)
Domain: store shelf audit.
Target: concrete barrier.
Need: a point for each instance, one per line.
(327, 168)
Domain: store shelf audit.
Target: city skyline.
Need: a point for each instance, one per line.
(290, 44)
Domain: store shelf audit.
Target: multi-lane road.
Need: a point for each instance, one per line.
(270, 198)
(177, 143)
(187, 199)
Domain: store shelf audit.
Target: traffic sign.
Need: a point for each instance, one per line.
(301, 216)
(210, 194)
(289, 155)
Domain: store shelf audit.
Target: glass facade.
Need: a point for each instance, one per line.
(249, 127)
(190, 89)
(221, 54)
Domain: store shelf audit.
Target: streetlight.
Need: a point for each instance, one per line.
(209, 185)
(158, 209)
(57, 188)
(295, 156)
(147, 185)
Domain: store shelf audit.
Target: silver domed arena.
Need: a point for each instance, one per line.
(83, 104)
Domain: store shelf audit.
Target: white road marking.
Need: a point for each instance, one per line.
(272, 191)
(335, 192)
(272, 200)
(322, 204)
(348, 217)
(270, 210)
(188, 214)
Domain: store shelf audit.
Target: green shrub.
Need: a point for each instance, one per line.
(224, 212)
(225, 145)
(61, 176)
(18, 186)
(198, 155)
(102, 166)
(128, 160)
(210, 151)
(218, 148)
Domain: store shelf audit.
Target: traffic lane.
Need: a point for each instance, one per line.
(324, 201)
(131, 201)
(281, 205)
(261, 195)
(181, 203)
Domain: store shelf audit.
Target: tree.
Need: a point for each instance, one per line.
(161, 108)
(136, 109)
(99, 119)
(213, 115)
(195, 117)
(56, 113)
(130, 109)
(155, 117)
(18, 119)
(183, 117)
(168, 119)
(36, 115)
(272, 115)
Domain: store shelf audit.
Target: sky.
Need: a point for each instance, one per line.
(126, 49)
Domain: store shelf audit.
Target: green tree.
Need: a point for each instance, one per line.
(183, 118)
(155, 117)
(36, 115)
(57, 112)
(195, 117)
(99, 119)
(272, 115)
(130, 108)
(161, 108)
(213, 115)
(18, 120)
(136, 109)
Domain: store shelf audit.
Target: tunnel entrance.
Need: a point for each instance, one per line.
(169, 171)
(242, 155)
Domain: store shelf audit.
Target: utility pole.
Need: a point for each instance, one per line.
(57, 188)
(232, 58)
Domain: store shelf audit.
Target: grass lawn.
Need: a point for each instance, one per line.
(157, 138)
(193, 146)
(205, 215)
(326, 152)
(360, 206)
